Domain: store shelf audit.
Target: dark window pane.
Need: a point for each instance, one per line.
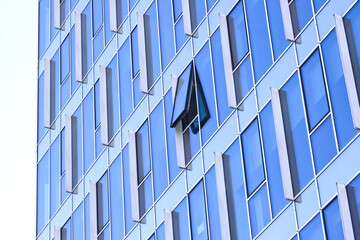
(259, 37)
(65, 58)
(97, 104)
(134, 51)
(353, 190)
(54, 176)
(116, 199)
(339, 99)
(143, 151)
(78, 223)
(197, 213)
(56, 59)
(314, 89)
(102, 201)
(259, 211)
(301, 13)
(88, 123)
(181, 221)
(212, 202)
(332, 220)
(278, 201)
(313, 230)
(66, 230)
(42, 193)
(166, 32)
(323, 144)
(254, 168)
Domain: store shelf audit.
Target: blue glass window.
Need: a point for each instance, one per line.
(40, 127)
(354, 194)
(313, 230)
(219, 76)
(158, 150)
(323, 144)
(56, 59)
(132, 3)
(237, 34)
(200, 10)
(78, 223)
(276, 191)
(105, 235)
(254, 168)
(65, 58)
(44, 26)
(145, 195)
(279, 42)
(102, 201)
(125, 80)
(129, 223)
(54, 176)
(177, 9)
(43, 185)
(209, 4)
(64, 92)
(160, 232)
(314, 89)
(138, 95)
(213, 205)
(179, 33)
(74, 83)
(259, 211)
(198, 213)
(166, 32)
(259, 37)
(181, 221)
(98, 43)
(108, 32)
(79, 144)
(339, 99)
(318, 4)
(88, 124)
(143, 151)
(66, 230)
(301, 12)
(72, 3)
(114, 116)
(135, 51)
(97, 10)
(332, 220)
(87, 217)
(53, 30)
(99, 147)
(243, 79)
(116, 199)
(97, 103)
(89, 61)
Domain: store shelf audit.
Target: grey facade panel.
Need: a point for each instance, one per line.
(104, 105)
(80, 49)
(287, 21)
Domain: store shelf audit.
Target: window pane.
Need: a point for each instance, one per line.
(143, 152)
(145, 195)
(314, 89)
(278, 201)
(54, 176)
(108, 32)
(318, 4)
(40, 127)
(212, 202)
(56, 59)
(65, 92)
(65, 58)
(74, 83)
(97, 10)
(64, 193)
(87, 217)
(66, 230)
(78, 223)
(102, 201)
(323, 144)
(199, 10)
(243, 79)
(209, 4)
(78, 151)
(87, 12)
(179, 33)
(53, 30)
(313, 230)
(354, 194)
(259, 211)
(99, 147)
(339, 99)
(166, 32)
(138, 95)
(237, 34)
(129, 223)
(160, 232)
(259, 37)
(254, 169)
(88, 123)
(181, 221)
(98, 43)
(105, 235)
(301, 12)
(197, 213)
(332, 220)
(44, 26)
(177, 8)
(158, 150)
(43, 192)
(134, 51)
(113, 88)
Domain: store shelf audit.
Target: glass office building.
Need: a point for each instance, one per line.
(198, 119)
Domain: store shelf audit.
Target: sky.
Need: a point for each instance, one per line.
(18, 86)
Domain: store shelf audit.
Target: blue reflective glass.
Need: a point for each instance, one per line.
(301, 11)
(179, 34)
(152, 237)
(65, 92)
(259, 211)
(235, 192)
(135, 51)
(116, 199)
(323, 144)
(62, 146)
(66, 230)
(318, 4)
(129, 223)
(79, 143)
(254, 168)
(78, 223)
(108, 32)
(313, 230)
(204, 74)
(181, 221)
(145, 195)
(237, 34)
(72, 3)
(243, 79)
(43, 185)
(353, 190)
(279, 42)
(56, 60)
(177, 9)
(44, 25)
(138, 95)
(209, 4)
(276, 192)
(154, 41)
(98, 43)
(160, 232)
(166, 32)
(102, 201)
(64, 193)
(143, 151)
(191, 141)
(158, 151)
(125, 80)
(87, 217)
(200, 12)
(65, 58)
(99, 146)
(53, 30)
(219, 76)
(97, 104)
(97, 10)
(259, 37)
(332, 220)
(198, 213)
(40, 126)
(132, 3)
(113, 95)
(170, 138)
(339, 99)
(105, 235)
(314, 89)
(213, 205)
(74, 83)
(296, 120)
(66, 3)
(54, 176)
(87, 12)
(88, 131)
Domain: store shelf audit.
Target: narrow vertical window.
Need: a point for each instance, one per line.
(135, 202)
(93, 211)
(287, 20)
(193, 13)
(143, 53)
(70, 152)
(104, 104)
(80, 46)
(59, 13)
(115, 15)
(49, 93)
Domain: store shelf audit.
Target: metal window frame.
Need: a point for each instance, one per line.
(59, 14)
(351, 71)
(104, 104)
(222, 197)
(49, 93)
(115, 15)
(287, 21)
(57, 233)
(93, 211)
(70, 157)
(134, 186)
(80, 46)
(281, 140)
(169, 227)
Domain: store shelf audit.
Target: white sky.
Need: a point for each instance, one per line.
(18, 67)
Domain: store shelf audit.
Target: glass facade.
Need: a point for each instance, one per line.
(161, 142)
